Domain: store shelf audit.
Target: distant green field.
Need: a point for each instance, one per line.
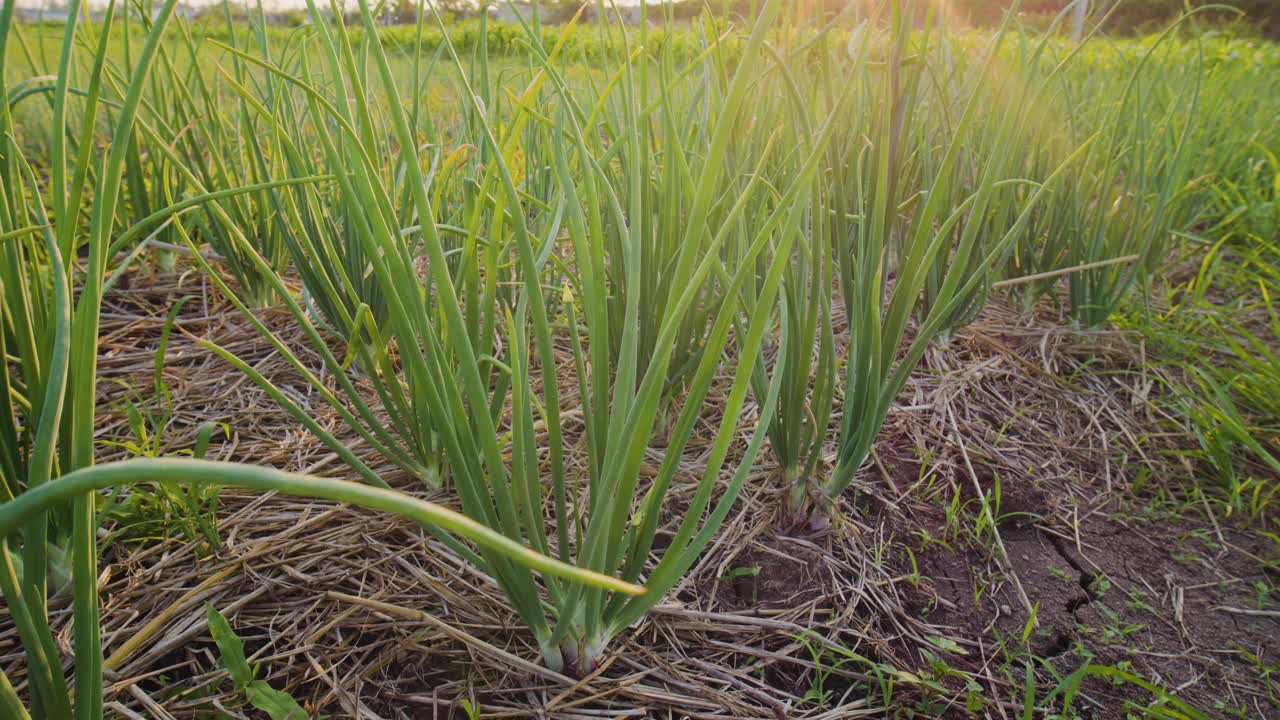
(1239, 71)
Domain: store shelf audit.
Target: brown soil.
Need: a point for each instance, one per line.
(1152, 597)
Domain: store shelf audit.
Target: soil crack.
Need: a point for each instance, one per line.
(1086, 578)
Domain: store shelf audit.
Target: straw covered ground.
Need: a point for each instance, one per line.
(919, 596)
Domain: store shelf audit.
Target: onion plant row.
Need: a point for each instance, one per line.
(52, 283)
(532, 300)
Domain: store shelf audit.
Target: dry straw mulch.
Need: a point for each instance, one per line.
(365, 616)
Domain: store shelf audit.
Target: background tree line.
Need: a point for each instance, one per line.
(1135, 16)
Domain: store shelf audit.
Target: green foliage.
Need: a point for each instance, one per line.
(489, 261)
(276, 704)
(49, 327)
(1219, 335)
(53, 332)
(503, 243)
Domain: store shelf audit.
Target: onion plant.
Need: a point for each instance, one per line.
(891, 240)
(223, 143)
(327, 229)
(658, 122)
(211, 147)
(49, 321)
(1129, 204)
(1115, 215)
(620, 415)
(1029, 92)
(587, 237)
(49, 394)
(789, 108)
(985, 177)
